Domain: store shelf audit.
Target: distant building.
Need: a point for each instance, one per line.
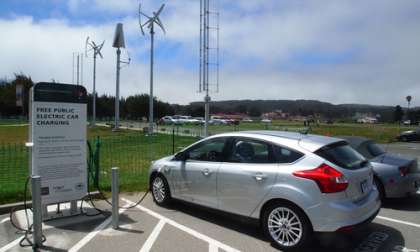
(275, 115)
(365, 118)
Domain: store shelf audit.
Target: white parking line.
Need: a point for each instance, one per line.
(399, 221)
(188, 230)
(4, 220)
(80, 244)
(153, 236)
(213, 248)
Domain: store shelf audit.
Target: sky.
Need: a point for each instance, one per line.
(347, 51)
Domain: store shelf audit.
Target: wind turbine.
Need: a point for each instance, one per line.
(150, 24)
(96, 51)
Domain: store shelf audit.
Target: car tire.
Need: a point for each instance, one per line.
(287, 226)
(160, 190)
(380, 188)
(404, 139)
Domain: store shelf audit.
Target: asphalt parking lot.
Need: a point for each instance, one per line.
(183, 227)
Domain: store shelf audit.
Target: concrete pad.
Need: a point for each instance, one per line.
(171, 235)
(135, 227)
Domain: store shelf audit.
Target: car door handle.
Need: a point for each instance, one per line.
(206, 172)
(259, 176)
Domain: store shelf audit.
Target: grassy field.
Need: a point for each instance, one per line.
(131, 151)
(382, 133)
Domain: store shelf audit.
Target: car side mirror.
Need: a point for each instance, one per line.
(181, 156)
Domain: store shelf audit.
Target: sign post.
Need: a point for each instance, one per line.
(58, 119)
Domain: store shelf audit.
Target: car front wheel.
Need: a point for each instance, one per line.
(287, 226)
(160, 190)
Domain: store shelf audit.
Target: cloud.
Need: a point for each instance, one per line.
(338, 51)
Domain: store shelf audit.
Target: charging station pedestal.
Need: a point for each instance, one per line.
(57, 137)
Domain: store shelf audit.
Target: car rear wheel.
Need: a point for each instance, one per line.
(160, 190)
(287, 226)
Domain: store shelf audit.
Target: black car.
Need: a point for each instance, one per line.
(410, 135)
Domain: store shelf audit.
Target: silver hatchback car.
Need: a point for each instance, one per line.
(295, 184)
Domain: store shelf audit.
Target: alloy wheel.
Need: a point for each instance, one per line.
(285, 227)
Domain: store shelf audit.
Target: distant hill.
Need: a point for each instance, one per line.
(295, 107)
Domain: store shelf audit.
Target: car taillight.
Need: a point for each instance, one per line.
(403, 170)
(328, 179)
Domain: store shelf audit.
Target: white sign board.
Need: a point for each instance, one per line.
(58, 134)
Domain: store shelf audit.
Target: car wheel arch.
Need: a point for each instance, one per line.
(274, 201)
(381, 184)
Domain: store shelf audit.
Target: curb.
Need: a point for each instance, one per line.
(5, 209)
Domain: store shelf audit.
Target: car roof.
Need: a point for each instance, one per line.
(308, 142)
(355, 141)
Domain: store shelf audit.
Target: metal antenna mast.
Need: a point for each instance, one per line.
(96, 51)
(209, 54)
(150, 23)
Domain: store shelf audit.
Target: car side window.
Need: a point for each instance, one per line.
(285, 155)
(210, 150)
(250, 151)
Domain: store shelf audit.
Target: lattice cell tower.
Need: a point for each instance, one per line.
(209, 53)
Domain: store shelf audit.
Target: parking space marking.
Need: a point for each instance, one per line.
(153, 236)
(213, 248)
(399, 221)
(93, 233)
(4, 220)
(186, 229)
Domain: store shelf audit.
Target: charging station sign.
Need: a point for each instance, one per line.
(58, 134)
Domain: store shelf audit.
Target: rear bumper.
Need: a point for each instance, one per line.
(332, 216)
(402, 186)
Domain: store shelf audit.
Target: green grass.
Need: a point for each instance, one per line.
(131, 151)
(382, 133)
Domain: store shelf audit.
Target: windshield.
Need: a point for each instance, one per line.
(343, 155)
(375, 150)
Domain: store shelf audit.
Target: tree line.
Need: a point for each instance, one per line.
(136, 107)
(133, 107)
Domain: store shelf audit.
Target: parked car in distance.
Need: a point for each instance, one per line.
(266, 121)
(295, 184)
(167, 120)
(396, 176)
(407, 122)
(409, 135)
(246, 119)
(217, 120)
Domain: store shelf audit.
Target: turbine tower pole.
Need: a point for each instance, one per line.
(150, 23)
(94, 91)
(152, 37)
(117, 92)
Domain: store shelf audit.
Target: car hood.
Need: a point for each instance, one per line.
(392, 159)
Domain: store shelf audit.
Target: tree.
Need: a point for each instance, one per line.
(254, 111)
(398, 113)
(241, 109)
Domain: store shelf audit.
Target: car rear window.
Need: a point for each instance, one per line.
(343, 155)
